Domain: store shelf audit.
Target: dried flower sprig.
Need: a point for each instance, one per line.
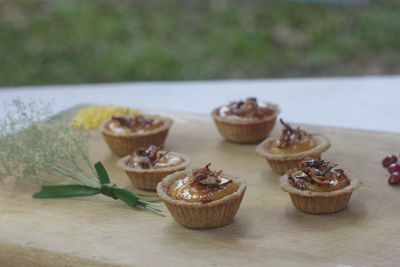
(34, 147)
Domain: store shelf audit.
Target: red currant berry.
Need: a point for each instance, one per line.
(394, 178)
(389, 159)
(394, 167)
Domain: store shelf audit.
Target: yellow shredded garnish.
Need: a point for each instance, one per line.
(91, 117)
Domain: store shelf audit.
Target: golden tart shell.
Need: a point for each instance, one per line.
(123, 144)
(201, 215)
(244, 130)
(281, 163)
(320, 202)
(148, 179)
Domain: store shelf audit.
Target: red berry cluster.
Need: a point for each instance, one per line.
(390, 162)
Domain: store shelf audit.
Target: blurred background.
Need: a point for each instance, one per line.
(84, 41)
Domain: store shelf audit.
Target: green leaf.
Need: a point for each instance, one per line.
(126, 196)
(67, 190)
(102, 173)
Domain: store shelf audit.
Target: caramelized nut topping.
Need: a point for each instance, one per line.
(137, 121)
(145, 158)
(204, 176)
(318, 175)
(291, 136)
(292, 141)
(133, 124)
(248, 108)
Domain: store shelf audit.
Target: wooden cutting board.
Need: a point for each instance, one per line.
(267, 229)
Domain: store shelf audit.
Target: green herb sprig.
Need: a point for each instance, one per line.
(34, 147)
(106, 188)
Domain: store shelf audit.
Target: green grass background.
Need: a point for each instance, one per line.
(86, 41)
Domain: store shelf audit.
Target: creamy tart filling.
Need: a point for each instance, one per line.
(292, 141)
(152, 158)
(133, 124)
(202, 185)
(318, 176)
(247, 109)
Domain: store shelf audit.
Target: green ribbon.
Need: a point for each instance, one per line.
(78, 190)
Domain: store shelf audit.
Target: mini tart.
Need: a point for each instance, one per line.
(148, 179)
(320, 202)
(281, 163)
(245, 130)
(201, 215)
(122, 144)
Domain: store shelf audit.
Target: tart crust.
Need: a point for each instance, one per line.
(320, 202)
(148, 179)
(245, 130)
(201, 215)
(282, 163)
(123, 144)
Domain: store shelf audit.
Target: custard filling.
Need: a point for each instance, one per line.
(202, 185)
(317, 175)
(292, 141)
(133, 124)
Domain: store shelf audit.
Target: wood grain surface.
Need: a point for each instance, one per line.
(267, 229)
